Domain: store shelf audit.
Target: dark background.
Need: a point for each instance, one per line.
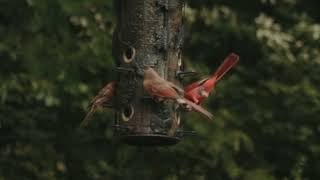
(56, 55)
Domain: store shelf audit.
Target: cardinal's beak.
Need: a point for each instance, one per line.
(140, 71)
(204, 93)
(146, 67)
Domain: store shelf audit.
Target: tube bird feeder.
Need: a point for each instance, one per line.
(148, 32)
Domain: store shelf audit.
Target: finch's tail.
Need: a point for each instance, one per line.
(227, 64)
(196, 108)
(88, 118)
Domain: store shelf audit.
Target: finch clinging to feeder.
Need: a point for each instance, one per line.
(200, 90)
(104, 97)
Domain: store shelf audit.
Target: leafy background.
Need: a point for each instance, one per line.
(55, 55)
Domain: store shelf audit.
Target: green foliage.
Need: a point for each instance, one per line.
(55, 55)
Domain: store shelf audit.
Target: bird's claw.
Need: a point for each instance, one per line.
(123, 69)
(186, 107)
(183, 74)
(108, 106)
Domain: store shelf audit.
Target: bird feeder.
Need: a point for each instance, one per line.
(148, 32)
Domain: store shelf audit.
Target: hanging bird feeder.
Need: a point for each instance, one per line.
(148, 32)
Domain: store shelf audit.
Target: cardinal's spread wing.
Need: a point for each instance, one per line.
(195, 85)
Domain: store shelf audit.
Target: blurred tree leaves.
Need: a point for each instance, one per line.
(55, 55)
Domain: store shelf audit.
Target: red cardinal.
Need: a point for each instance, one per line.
(200, 90)
(104, 96)
(162, 89)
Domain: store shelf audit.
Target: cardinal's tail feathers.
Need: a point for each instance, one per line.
(227, 64)
(87, 119)
(196, 107)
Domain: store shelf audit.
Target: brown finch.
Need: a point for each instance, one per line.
(104, 97)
